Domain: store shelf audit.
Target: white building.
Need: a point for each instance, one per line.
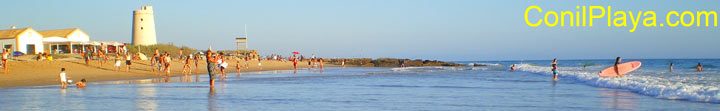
(61, 40)
(25, 40)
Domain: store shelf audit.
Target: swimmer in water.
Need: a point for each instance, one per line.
(512, 68)
(699, 67)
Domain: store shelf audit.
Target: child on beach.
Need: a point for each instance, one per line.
(671, 67)
(81, 84)
(63, 78)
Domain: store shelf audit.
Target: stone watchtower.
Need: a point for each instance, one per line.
(143, 32)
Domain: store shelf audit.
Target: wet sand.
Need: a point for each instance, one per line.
(35, 73)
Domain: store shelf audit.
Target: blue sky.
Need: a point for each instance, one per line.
(415, 29)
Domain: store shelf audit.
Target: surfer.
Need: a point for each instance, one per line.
(617, 61)
(699, 67)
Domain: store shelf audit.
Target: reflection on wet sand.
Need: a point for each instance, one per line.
(145, 97)
(165, 79)
(211, 99)
(617, 99)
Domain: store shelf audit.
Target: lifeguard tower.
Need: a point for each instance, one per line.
(241, 43)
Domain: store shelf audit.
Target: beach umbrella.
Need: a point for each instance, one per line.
(295, 52)
(18, 53)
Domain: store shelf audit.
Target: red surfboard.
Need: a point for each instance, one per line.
(623, 69)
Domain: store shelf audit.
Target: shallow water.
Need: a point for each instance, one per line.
(424, 88)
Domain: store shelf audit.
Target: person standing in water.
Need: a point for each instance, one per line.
(554, 69)
(63, 78)
(512, 68)
(671, 67)
(210, 60)
(617, 61)
(699, 67)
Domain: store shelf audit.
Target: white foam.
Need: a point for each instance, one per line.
(680, 88)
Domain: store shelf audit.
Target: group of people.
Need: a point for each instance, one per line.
(44, 56)
(64, 80)
(161, 62)
(618, 61)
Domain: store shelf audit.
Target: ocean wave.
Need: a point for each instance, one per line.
(435, 69)
(675, 88)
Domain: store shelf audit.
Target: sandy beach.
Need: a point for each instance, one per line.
(35, 73)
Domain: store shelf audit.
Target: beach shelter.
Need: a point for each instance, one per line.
(56, 41)
(74, 38)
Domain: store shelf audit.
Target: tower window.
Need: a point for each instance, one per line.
(141, 28)
(141, 19)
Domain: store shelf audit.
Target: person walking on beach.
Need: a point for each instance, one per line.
(186, 67)
(237, 66)
(260, 63)
(699, 67)
(118, 62)
(295, 61)
(196, 64)
(5, 57)
(617, 61)
(321, 64)
(153, 62)
(342, 63)
(222, 64)
(63, 78)
(180, 56)
(167, 64)
(128, 61)
(210, 60)
(100, 58)
(247, 63)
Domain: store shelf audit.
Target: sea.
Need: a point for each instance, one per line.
(491, 86)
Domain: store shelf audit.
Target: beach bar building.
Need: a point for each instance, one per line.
(64, 40)
(25, 40)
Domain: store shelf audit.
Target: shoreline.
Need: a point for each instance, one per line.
(40, 73)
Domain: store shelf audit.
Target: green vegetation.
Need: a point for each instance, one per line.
(162, 48)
